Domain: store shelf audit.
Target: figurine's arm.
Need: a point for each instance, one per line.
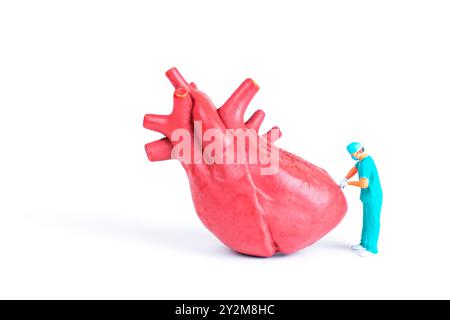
(361, 183)
(351, 173)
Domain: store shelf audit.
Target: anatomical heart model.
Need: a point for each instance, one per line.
(255, 197)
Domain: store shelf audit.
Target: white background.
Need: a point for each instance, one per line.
(83, 214)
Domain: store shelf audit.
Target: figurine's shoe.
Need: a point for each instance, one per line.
(357, 247)
(366, 254)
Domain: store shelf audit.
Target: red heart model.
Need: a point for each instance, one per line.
(255, 197)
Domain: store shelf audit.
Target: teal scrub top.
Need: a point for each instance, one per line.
(367, 169)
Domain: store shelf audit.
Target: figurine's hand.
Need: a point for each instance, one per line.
(343, 183)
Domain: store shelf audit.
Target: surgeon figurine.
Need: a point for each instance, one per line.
(371, 197)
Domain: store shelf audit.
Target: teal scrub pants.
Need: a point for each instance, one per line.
(371, 224)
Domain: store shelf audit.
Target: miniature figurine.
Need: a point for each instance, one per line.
(371, 197)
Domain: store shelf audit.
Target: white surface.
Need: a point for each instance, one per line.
(84, 215)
